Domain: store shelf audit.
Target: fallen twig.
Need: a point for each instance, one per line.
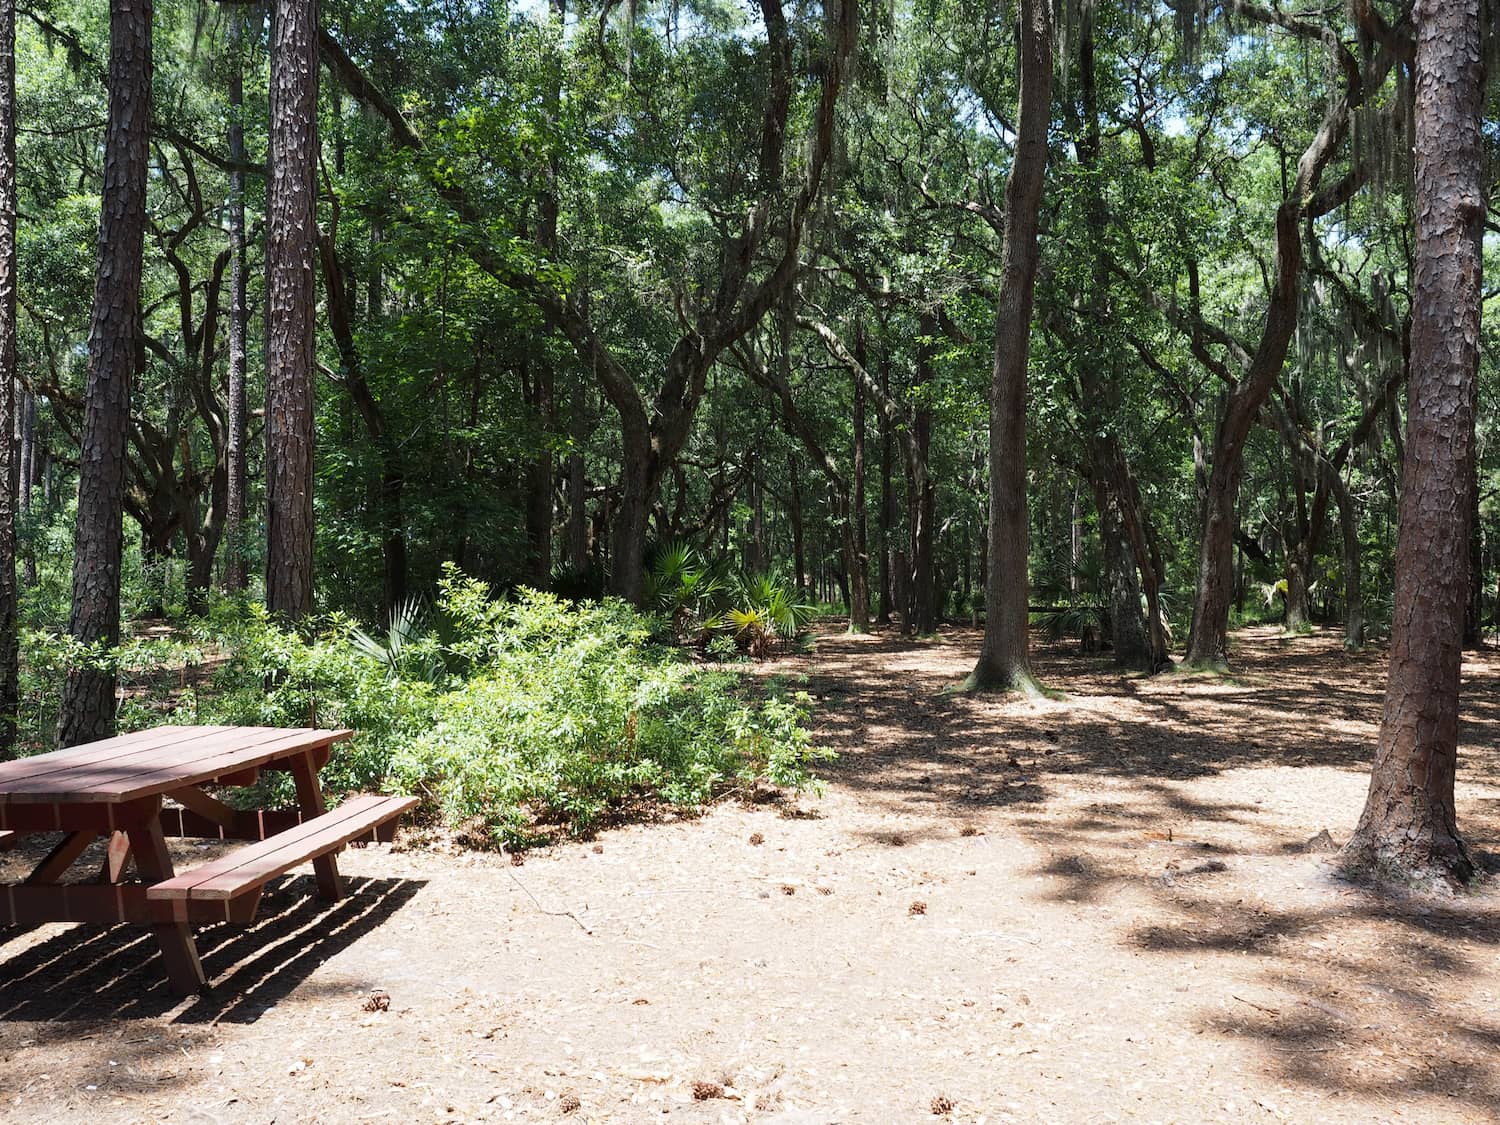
(543, 909)
(1257, 1007)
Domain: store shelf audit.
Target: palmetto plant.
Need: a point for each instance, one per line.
(690, 592)
(404, 628)
(767, 614)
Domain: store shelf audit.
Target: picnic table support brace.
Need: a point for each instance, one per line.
(310, 798)
(178, 949)
(62, 857)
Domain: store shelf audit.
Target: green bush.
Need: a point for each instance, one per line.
(518, 718)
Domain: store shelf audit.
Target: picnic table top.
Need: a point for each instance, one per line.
(151, 762)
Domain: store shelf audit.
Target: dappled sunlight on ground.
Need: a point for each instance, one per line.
(1110, 904)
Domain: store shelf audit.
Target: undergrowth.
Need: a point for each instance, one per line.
(512, 718)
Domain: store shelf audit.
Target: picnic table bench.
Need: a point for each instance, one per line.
(118, 788)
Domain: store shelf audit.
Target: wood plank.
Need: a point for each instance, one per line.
(63, 817)
(25, 770)
(253, 824)
(179, 951)
(310, 797)
(207, 769)
(201, 803)
(178, 767)
(257, 864)
(102, 903)
(116, 858)
(66, 777)
(62, 857)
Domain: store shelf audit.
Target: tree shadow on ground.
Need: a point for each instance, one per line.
(1340, 990)
(90, 973)
(909, 742)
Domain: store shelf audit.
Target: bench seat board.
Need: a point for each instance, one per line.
(250, 867)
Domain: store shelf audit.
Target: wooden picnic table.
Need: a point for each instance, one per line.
(119, 788)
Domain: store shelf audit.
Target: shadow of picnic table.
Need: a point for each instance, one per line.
(87, 973)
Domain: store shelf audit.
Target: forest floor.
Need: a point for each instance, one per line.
(1107, 906)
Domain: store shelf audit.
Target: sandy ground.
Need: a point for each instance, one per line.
(1095, 908)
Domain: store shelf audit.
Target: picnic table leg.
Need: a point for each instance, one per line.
(310, 799)
(178, 949)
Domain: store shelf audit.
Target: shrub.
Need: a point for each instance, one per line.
(527, 716)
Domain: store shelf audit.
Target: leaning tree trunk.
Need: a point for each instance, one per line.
(291, 257)
(1409, 831)
(88, 704)
(9, 643)
(1003, 659)
(235, 572)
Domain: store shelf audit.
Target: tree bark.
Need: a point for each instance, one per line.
(291, 256)
(88, 704)
(887, 495)
(30, 461)
(922, 619)
(578, 528)
(799, 534)
(1208, 640)
(859, 560)
(12, 474)
(1004, 662)
(236, 575)
(1408, 831)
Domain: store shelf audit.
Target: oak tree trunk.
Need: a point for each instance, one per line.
(291, 257)
(88, 704)
(921, 618)
(1408, 831)
(1004, 662)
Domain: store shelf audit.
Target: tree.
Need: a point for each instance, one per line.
(1408, 830)
(10, 474)
(236, 500)
(115, 347)
(1003, 659)
(291, 259)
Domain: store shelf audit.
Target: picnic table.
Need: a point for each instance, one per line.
(119, 788)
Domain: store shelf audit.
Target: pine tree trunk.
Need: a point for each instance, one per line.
(9, 468)
(88, 704)
(236, 575)
(1004, 662)
(291, 258)
(1408, 831)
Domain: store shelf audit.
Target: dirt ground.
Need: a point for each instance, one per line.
(1101, 907)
